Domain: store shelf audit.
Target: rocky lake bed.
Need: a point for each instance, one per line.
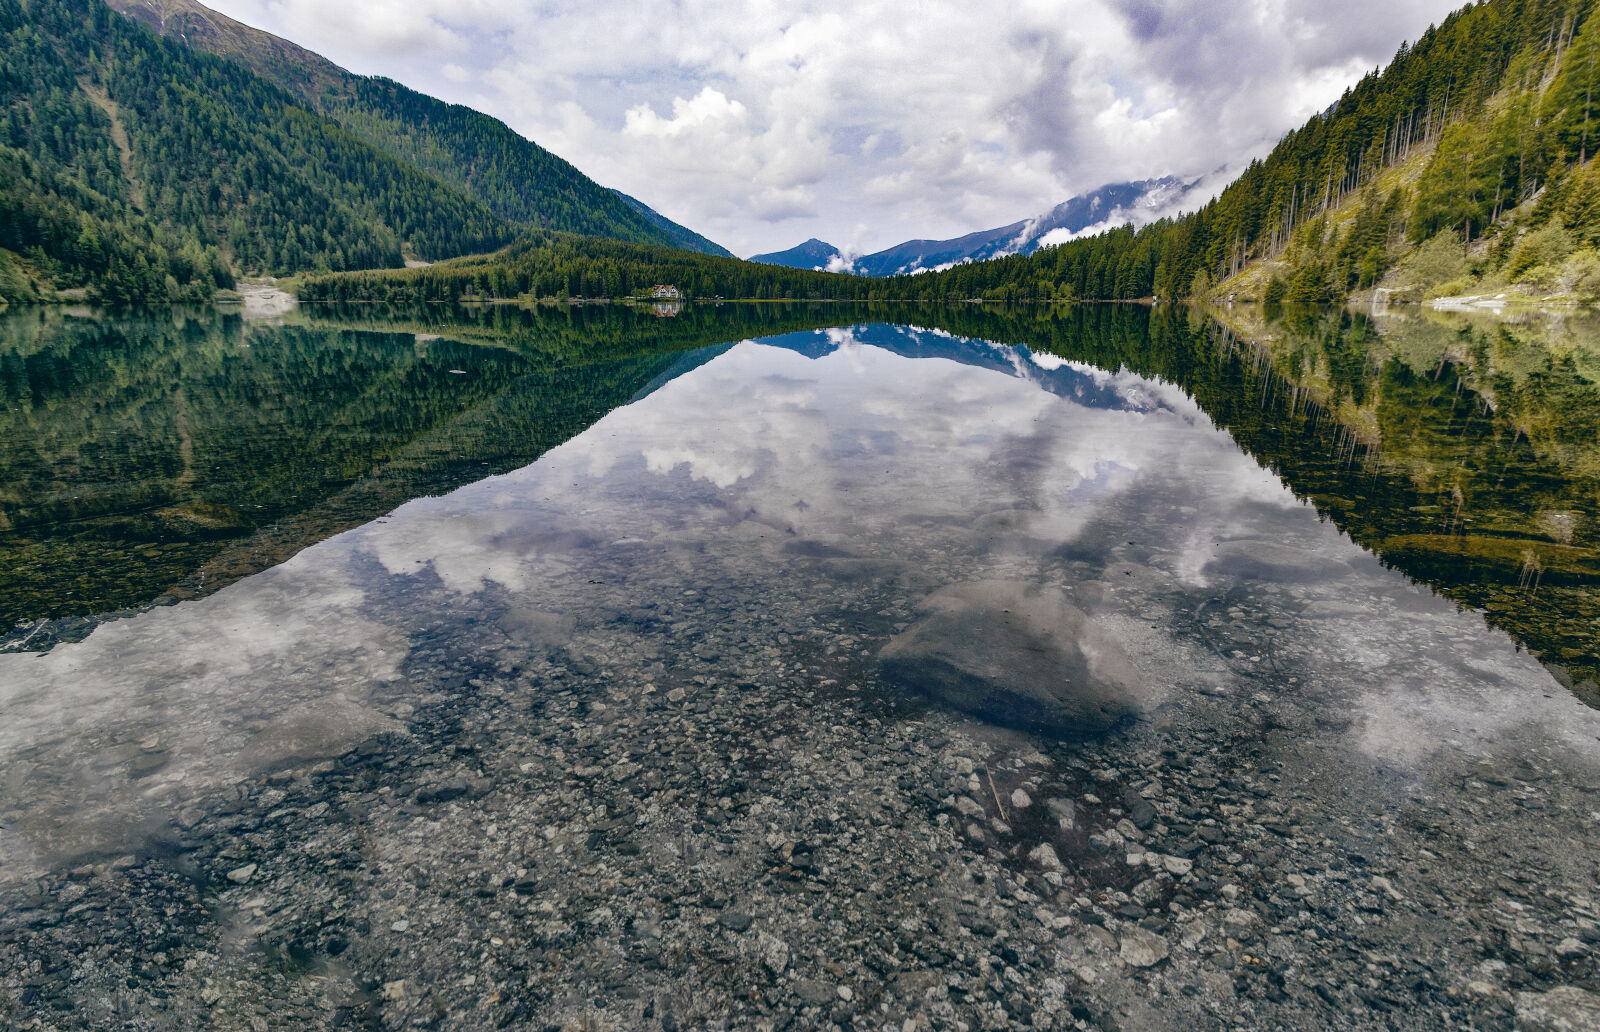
(712, 718)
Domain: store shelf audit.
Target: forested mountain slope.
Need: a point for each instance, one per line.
(147, 171)
(1481, 131)
(143, 169)
(477, 154)
(677, 236)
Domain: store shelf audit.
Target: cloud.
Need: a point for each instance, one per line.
(708, 108)
(762, 124)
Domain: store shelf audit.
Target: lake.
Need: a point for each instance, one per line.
(786, 666)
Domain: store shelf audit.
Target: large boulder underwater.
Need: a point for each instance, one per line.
(1018, 655)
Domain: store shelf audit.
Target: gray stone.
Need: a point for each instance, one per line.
(444, 791)
(813, 994)
(149, 763)
(1143, 814)
(1016, 655)
(1064, 812)
(1255, 559)
(1570, 947)
(774, 953)
(1567, 1009)
(1044, 855)
(1239, 923)
(735, 921)
(538, 629)
(1141, 948)
(1147, 891)
(240, 875)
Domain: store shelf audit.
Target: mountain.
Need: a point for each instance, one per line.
(143, 170)
(677, 236)
(479, 155)
(1110, 205)
(813, 254)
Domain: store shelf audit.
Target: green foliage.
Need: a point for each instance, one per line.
(1580, 275)
(147, 171)
(478, 156)
(1580, 204)
(1546, 246)
(1438, 260)
(1309, 284)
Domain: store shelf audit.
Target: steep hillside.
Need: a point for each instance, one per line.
(677, 236)
(479, 155)
(147, 171)
(1466, 164)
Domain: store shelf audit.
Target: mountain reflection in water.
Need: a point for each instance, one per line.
(153, 457)
(854, 470)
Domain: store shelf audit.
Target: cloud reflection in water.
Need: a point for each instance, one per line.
(801, 463)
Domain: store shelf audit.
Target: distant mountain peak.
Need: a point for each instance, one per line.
(1104, 208)
(813, 254)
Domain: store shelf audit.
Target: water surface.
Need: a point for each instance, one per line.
(621, 712)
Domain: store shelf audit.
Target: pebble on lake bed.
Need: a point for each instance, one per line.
(1142, 949)
(1564, 1009)
(1044, 854)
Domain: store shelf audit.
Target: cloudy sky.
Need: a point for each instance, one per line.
(762, 122)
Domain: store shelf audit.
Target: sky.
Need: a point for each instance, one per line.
(762, 123)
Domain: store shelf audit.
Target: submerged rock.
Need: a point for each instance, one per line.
(1017, 655)
(1142, 949)
(538, 629)
(1567, 1009)
(1256, 559)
